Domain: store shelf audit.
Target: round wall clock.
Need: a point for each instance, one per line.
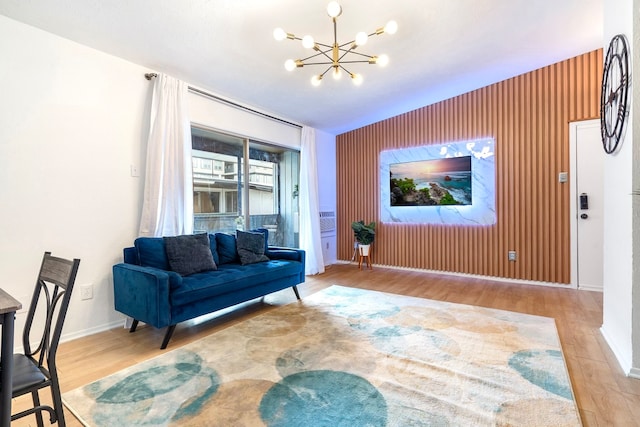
(613, 98)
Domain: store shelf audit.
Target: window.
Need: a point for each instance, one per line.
(221, 198)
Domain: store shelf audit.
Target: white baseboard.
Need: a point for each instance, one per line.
(624, 363)
(634, 373)
(591, 288)
(473, 276)
(86, 332)
(75, 335)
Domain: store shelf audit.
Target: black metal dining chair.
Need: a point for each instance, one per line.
(35, 369)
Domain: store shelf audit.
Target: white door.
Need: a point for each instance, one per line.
(587, 213)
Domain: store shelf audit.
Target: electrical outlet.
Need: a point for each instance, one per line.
(512, 255)
(86, 292)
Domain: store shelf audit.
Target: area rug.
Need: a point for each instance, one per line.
(349, 357)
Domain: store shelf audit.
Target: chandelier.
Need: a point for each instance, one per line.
(335, 56)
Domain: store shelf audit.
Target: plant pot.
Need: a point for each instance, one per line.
(364, 249)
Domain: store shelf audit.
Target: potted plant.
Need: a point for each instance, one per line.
(364, 234)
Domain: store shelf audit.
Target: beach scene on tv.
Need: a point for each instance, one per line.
(433, 182)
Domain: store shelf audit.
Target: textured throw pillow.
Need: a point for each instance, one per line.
(266, 238)
(250, 247)
(189, 254)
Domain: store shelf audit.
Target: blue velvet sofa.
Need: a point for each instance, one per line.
(148, 289)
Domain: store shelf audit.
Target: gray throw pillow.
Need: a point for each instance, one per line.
(250, 247)
(189, 254)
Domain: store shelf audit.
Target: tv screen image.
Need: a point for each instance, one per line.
(438, 182)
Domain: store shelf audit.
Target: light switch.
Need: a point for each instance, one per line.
(563, 177)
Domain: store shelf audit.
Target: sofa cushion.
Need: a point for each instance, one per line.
(151, 252)
(189, 254)
(251, 247)
(231, 278)
(227, 249)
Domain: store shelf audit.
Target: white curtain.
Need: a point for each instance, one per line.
(309, 211)
(168, 190)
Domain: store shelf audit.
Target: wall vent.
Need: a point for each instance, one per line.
(327, 221)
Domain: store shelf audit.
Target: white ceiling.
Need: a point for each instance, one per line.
(442, 48)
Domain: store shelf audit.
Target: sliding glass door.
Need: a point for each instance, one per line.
(230, 194)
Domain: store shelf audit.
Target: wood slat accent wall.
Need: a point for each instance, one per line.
(528, 116)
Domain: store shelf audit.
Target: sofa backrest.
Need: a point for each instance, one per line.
(150, 251)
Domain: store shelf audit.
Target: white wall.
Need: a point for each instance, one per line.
(635, 100)
(620, 237)
(72, 122)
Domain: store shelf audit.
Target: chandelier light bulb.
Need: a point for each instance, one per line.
(356, 79)
(391, 27)
(290, 65)
(316, 80)
(334, 9)
(279, 34)
(337, 73)
(361, 38)
(382, 60)
(308, 42)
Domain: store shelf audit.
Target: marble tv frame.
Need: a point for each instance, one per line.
(481, 211)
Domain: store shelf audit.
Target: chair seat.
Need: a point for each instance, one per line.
(25, 374)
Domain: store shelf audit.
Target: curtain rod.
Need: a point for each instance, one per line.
(150, 76)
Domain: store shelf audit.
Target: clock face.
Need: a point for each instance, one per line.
(613, 98)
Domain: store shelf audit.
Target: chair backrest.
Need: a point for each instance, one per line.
(53, 289)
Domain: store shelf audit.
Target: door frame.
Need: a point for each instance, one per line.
(573, 196)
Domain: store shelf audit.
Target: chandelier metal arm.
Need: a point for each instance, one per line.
(325, 71)
(320, 52)
(352, 51)
(304, 60)
(331, 62)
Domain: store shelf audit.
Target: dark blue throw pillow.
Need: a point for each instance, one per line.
(151, 252)
(189, 254)
(214, 248)
(227, 250)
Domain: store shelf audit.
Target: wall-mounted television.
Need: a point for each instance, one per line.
(436, 182)
(439, 184)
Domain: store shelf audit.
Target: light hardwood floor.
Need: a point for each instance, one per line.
(605, 396)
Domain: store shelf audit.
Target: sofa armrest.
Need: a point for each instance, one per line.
(142, 293)
(292, 254)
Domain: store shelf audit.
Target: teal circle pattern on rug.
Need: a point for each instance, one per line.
(133, 396)
(544, 368)
(323, 398)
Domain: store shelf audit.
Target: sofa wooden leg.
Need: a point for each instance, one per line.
(134, 325)
(295, 289)
(167, 336)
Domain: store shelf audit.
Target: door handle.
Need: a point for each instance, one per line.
(584, 216)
